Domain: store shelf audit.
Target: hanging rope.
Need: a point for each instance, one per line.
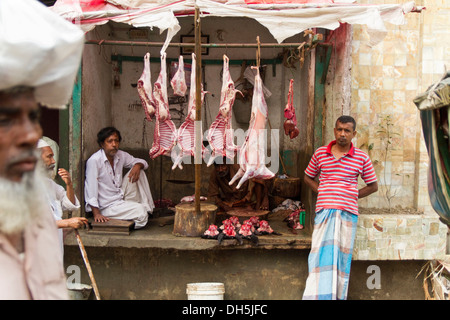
(258, 53)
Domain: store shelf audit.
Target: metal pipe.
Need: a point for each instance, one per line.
(203, 45)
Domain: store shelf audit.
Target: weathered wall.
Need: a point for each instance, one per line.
(250, 274)
(385, 80)
(96, 92)
(338, 83)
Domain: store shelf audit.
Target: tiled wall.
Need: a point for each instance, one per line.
(385, 80)
(399, 237)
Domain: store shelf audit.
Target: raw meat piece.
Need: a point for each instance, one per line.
(246, 230)
(185, 134)
(212, 231)
(293, 221)
(220, 133)
(192, 198)
(235, 221)
(251, 157)
(229, 231)
(248, 222)
(226, 223)
(165, 134)
(298, 226)
(264, 227)
(178, 81)
(290, 124)
(254, 221)
(144, 87)
(290, 129)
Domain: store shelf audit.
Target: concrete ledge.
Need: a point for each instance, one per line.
(399, 237)
(156, 236)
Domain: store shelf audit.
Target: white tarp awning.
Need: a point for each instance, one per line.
(282, 20)
(39, 49)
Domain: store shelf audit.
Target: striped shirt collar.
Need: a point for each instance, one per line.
(350, 152)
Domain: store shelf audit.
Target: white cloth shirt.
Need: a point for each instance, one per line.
(38, 273)
(59, 202)
(102, 183)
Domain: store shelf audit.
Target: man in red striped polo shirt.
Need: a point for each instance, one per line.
(338, 166)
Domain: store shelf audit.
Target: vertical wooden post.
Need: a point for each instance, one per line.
(198, 114)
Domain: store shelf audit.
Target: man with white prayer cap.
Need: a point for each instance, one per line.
(40, 54)
(60, 200)
(55, 148)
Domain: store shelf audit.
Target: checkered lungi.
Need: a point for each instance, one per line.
(331, 254)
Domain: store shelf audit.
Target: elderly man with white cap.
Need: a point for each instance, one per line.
(40, 54)
(60, 200)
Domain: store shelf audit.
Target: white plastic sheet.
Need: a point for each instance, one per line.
(38, 48)
(285, 23)
(159, 14)
(282, 20)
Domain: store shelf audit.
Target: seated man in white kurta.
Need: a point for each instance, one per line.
(109, 194)
(60, 200)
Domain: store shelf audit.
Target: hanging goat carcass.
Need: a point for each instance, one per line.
(186, 132)
(144, 87)
(252, 153)
(220, 133)
(165, 133)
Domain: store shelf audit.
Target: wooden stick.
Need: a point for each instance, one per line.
(88, 266)
(198, 110)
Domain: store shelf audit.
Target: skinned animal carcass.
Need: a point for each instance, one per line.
(186, 132)
(220, 133)
(252, 154)
(165, 133)
(290, 124)
(144, 87)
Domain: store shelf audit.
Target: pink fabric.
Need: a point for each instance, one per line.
(287, 1)
(40, 275)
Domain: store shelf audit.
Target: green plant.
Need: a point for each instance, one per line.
(386, 132)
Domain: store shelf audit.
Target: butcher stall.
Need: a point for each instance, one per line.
(189, 83)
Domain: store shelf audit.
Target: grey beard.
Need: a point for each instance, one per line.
(22, 203)
(50, 172)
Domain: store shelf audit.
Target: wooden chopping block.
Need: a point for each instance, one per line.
(244, 214)
(289, 187)
(190, 223)
(112, 226)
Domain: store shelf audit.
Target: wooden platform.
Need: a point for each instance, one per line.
(112, 226)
